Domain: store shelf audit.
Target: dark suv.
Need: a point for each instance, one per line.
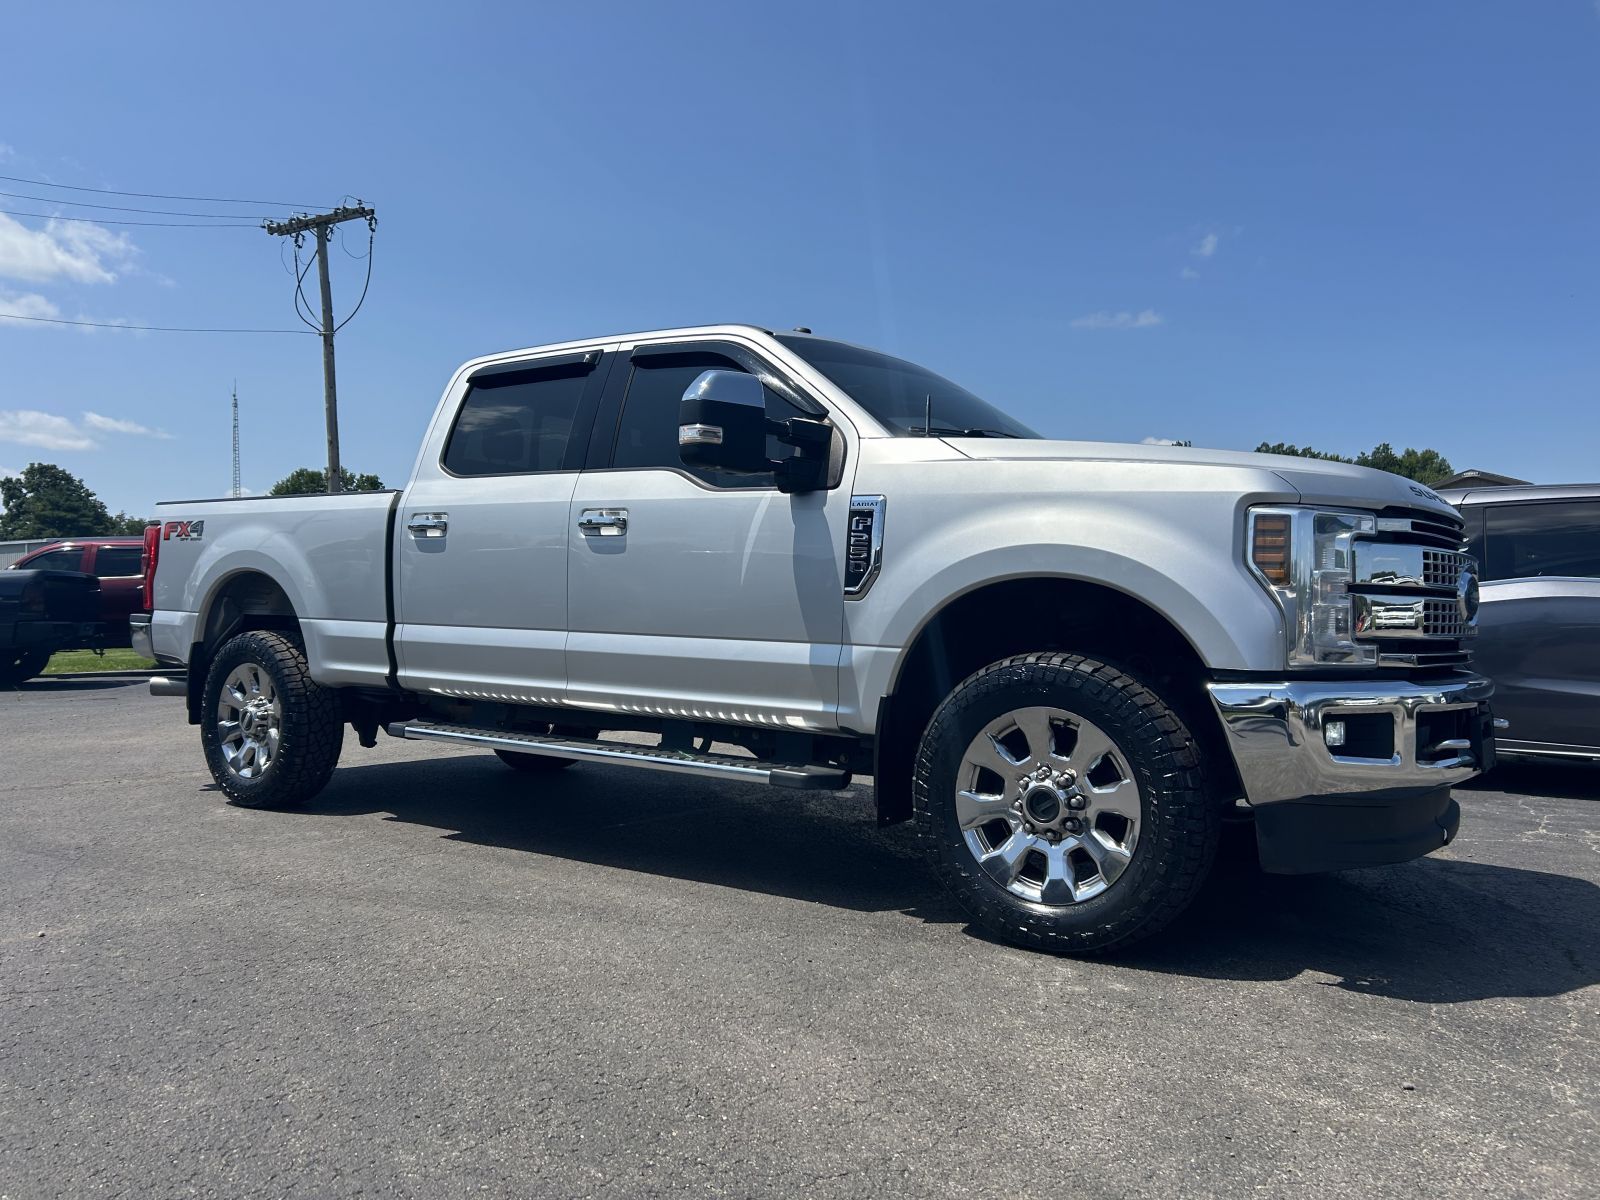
(1539, 624)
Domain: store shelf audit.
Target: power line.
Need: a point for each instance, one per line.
(164, 212)
(155, 195)
(111, 221)
(143, 328)
(372, 235)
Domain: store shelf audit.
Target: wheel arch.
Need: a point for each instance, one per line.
(1020, 615)
(239, 601)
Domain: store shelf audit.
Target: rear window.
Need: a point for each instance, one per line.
(117, 562)
(1528, 541)
(518, 423)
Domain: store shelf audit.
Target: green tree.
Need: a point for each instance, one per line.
(1424, 466)
(46, 501)
(125, 525)
(305, 480)
(1299, 451)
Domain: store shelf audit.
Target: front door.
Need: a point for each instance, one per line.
(481, 540)
(697, 594)
(1539, 624)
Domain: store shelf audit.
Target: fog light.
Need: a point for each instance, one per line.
(1333, 733)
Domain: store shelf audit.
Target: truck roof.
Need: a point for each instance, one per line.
(580, 343)
(1522, 492)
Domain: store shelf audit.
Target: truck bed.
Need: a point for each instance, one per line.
(328, 553)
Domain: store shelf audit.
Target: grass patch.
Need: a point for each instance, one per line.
(88, 660)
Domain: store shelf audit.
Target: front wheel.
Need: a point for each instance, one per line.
(271, 734)
(1061, 802)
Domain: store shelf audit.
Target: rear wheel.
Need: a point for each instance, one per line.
(18, 665)
(271, 734)
(1062, 803)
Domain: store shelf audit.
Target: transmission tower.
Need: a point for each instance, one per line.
(237, 490)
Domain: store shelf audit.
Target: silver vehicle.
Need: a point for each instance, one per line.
(789, 560)
(1540, 553)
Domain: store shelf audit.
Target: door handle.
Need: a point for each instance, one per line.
(428, 524)
(603, 522)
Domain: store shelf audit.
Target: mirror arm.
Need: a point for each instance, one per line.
(806, 470)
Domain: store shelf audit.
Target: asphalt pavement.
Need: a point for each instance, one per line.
(444, 978)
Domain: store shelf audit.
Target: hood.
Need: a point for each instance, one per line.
(1317, 480)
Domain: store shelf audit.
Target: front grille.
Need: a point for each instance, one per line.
(1408, 629)
(1442, 619)
(1441, 568)
(1421, 527)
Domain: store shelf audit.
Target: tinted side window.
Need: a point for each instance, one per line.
(647, 432)
(56, 560)
(1529, 540)
(516, 424)
(116, 562)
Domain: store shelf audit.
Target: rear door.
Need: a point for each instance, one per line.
(481, 537)
(1539, 622)
(121, 573)
(695, 593)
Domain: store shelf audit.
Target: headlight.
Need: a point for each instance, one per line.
(1305, 557)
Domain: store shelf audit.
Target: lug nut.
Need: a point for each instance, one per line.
(1077, 802)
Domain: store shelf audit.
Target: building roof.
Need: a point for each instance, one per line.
(1473, 478)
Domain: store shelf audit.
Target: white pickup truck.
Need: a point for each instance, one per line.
(789, 560)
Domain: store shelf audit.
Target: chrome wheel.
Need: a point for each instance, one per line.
(249, 721)
(1047, 805)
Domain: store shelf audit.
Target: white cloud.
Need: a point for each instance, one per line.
(9, 473)
(30, 427)
(1155, 441)
(1207, 246)
(1144, 319)
(26, 304)
(78, 252)
(1188, 273)
(116, 425)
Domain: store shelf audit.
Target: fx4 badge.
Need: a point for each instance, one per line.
(183, 531)
(863, 552)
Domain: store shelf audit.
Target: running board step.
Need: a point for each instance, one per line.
(683, 762)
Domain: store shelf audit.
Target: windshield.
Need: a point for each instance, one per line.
(907, 400)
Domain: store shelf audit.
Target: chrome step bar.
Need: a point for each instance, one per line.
(683, 762)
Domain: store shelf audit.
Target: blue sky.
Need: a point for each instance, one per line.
(1229, 222)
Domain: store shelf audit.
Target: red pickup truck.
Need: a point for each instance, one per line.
(116, 560)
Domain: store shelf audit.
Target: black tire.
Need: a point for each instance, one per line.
(533, 764)
(310, 731)
(19, 665)
(1178, 823)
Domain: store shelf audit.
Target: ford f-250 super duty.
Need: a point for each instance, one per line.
(1069, 663)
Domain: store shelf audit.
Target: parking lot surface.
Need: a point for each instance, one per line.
(444, 978)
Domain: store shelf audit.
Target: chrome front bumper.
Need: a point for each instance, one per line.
(1276, 731)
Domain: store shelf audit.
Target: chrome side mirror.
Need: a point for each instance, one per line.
(722, 423)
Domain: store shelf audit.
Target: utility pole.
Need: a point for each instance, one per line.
(321, 226)
(237, 490)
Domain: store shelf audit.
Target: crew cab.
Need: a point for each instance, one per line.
(116, 562)
(790, 560)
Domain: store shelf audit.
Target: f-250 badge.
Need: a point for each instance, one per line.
(863, 553)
